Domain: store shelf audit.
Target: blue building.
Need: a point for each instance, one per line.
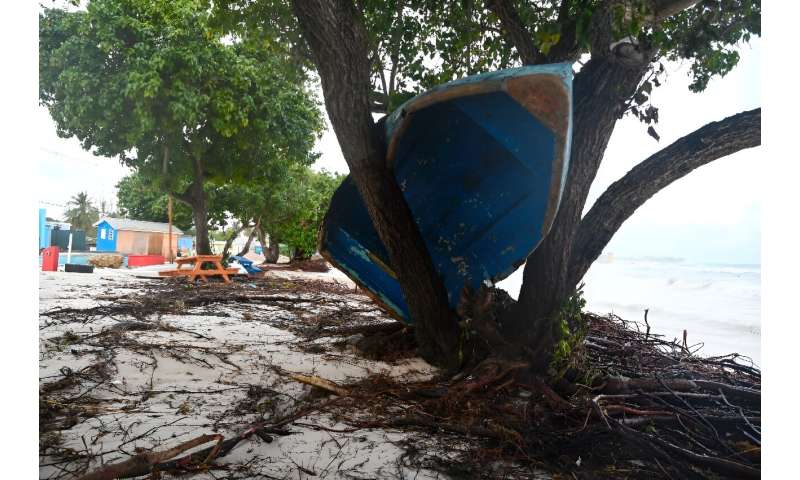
(46, 228)
(106, 240)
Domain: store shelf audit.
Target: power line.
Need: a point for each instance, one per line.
(52, 204)
(93, 160)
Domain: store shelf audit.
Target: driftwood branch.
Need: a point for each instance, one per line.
(713, 141)
(320, 382)
(144, 462)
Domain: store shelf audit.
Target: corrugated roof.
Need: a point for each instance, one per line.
(138, 225)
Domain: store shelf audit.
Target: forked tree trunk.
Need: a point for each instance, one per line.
(250, 237)
(232, 238)
(262, 239)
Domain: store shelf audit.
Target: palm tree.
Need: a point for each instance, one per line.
(81, 214)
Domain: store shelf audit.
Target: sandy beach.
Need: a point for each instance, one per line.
(208, 371)
(267, 378)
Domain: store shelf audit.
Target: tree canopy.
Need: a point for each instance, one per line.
(289, 207)
(296, 210)
(140, 199)
(157, 86)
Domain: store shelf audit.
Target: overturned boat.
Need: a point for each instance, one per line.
(482, 163)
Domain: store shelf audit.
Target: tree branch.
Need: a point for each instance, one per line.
(566, 49)
(663, 9)
(715, 140)
(186, 195)
(520, 37)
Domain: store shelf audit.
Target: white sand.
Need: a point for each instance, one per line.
(240, 353)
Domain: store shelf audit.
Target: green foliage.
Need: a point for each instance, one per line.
(570, 332)
(140, 199)
(417, 44)
(707, 34)
(422, 43)
(136, 79)
(307, 199)
(290, 206)
(82, 214)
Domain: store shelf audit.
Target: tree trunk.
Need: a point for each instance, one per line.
(299, 255)
(273, 252)
(250, 237)
(340, 47)
(195, 197)
(200, 216)
(600, 92)
(231, 238)
(262, 239)
(199, 209)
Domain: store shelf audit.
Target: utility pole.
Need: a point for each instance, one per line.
(170, 257)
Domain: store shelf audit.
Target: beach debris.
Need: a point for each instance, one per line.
(631, 405)
(143, 463)
(106, 260)
(319, 382)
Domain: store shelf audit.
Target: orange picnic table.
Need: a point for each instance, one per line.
(195, 268)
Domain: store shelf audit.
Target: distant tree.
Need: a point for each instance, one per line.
(289, 206)
(140, 199)
(305, 200)
(154, 84)
(81, 214)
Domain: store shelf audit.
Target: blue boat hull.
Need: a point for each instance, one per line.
(482, 163)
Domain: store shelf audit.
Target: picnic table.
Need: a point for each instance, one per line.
(195, 269)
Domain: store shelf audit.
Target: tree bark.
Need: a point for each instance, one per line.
(231, 238)
(520, 37)
(623, 197)
(273, 252)
(199, 209)
(194, 196)
(299, 255)
(262, 239)
(340, 47)
(600, 92)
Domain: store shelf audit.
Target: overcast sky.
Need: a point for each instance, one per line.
(712, 215)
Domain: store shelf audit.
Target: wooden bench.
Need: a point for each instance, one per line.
(195, 269)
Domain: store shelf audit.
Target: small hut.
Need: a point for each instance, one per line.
(135, 237)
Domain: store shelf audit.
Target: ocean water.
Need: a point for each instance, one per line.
(718, 305)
